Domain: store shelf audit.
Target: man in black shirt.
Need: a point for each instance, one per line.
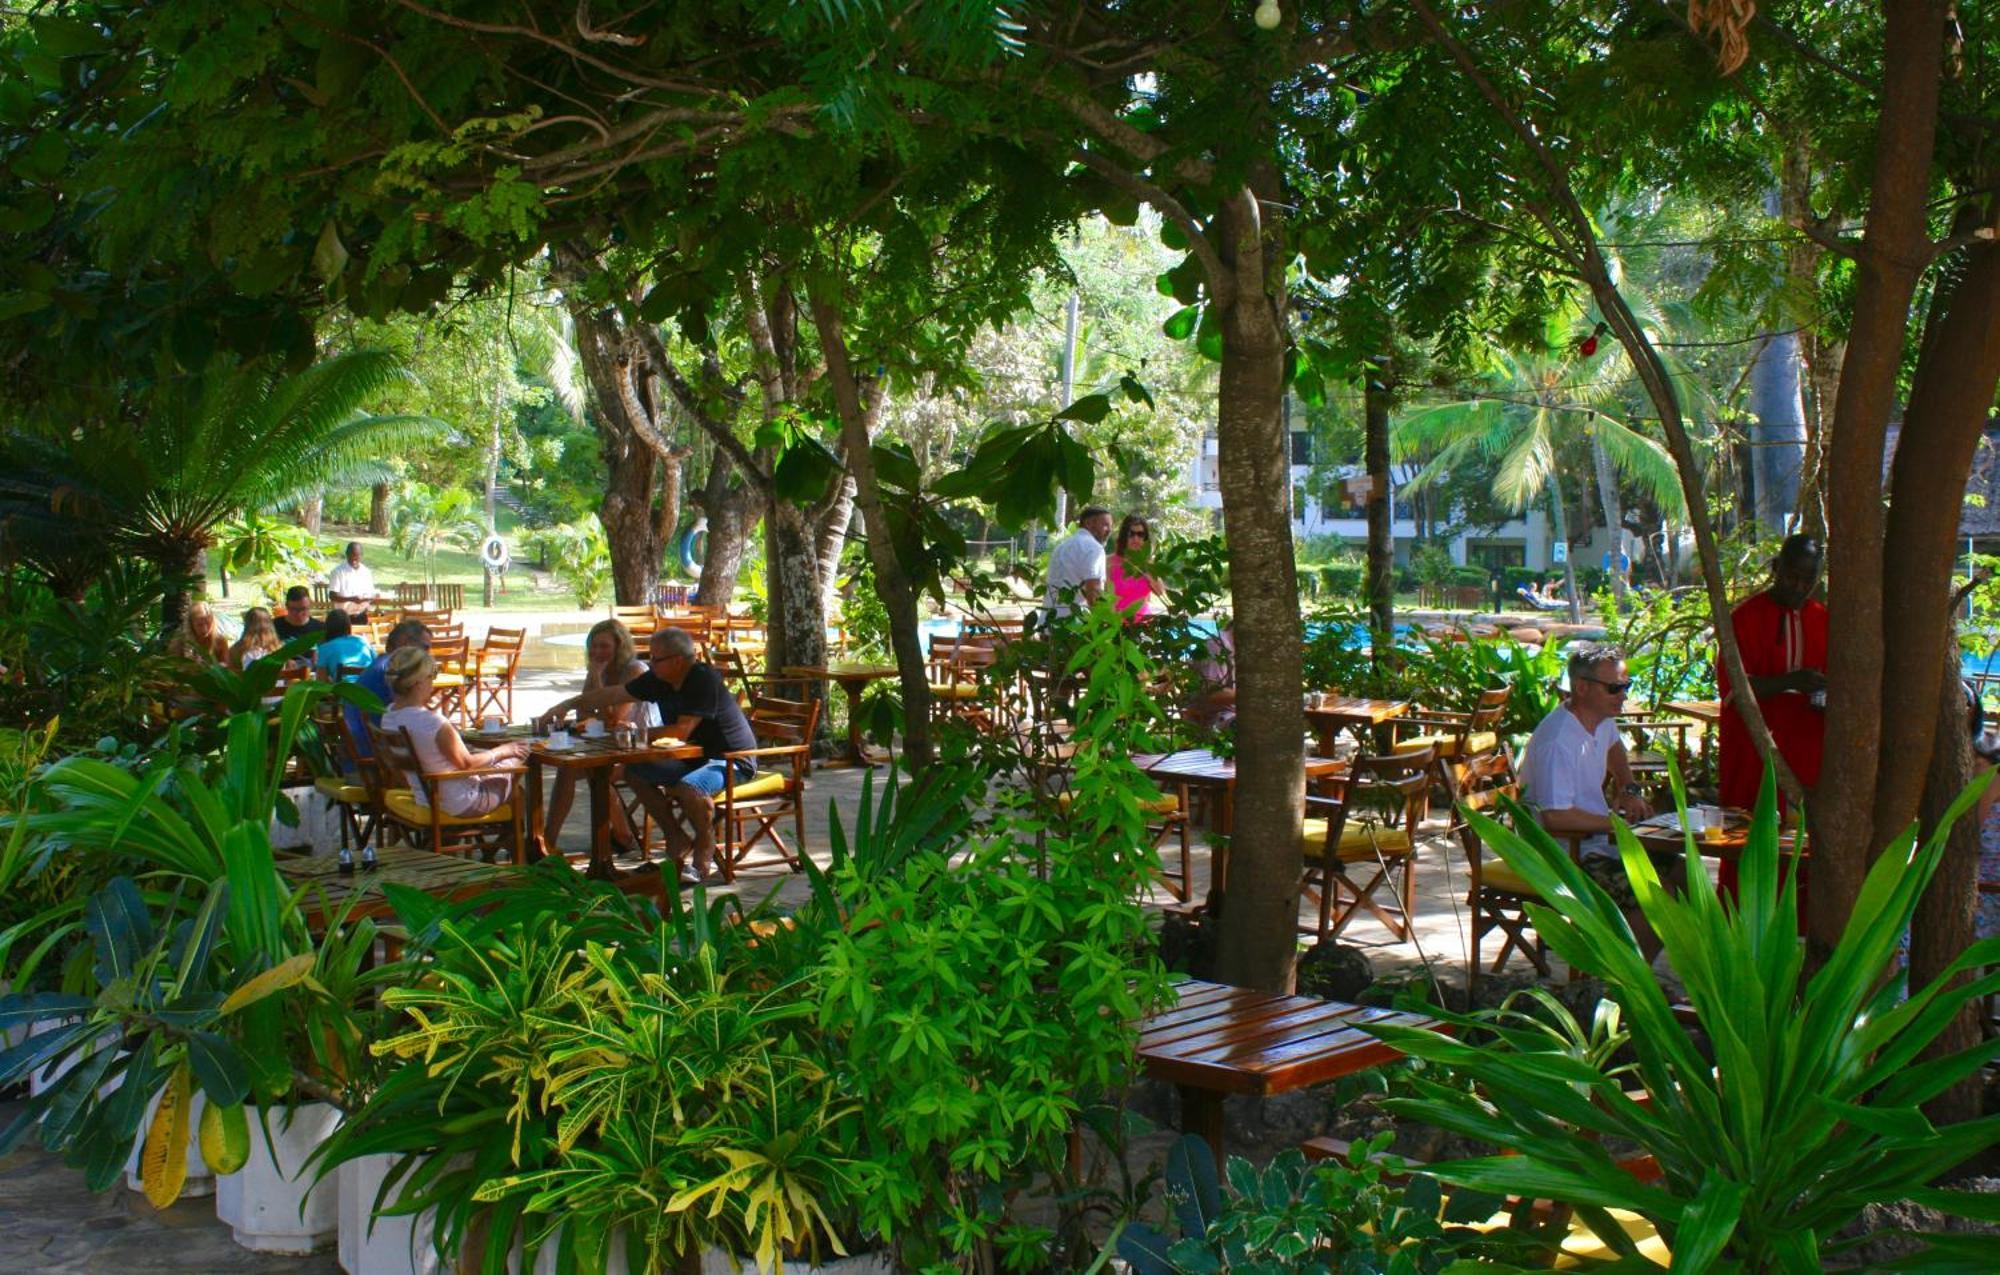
(694, 706)
(297, 619)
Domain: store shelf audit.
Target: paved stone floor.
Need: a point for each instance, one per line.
(49, 1223)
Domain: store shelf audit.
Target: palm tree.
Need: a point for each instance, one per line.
(428, 519)
(239, 436)
(1542, 418)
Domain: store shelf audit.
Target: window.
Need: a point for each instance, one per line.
(1211, 474)
(1496, 553)
(1302, 447)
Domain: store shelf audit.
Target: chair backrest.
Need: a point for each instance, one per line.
(430, 617)
(1490, 709)
(1406, 774)
(395, 761)
(1468, 836)
(451, 653)
(777, 722)
(639, 621)
(507, 642)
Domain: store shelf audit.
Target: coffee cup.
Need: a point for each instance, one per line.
(593, 729)
(493, 724)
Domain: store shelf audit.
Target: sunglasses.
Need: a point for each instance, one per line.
(1616, 688)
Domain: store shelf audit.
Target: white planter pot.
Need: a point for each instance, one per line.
(318, 832)
(272, 1205)
(199, 1181)
(372, 1244)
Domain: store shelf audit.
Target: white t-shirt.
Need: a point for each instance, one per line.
(1076, 558)
(351, 581)
(1565, 769)
(466, 795)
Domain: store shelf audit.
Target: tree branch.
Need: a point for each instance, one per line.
(1220, 285)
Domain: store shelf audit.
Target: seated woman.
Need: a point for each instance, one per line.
(259, 639)
(411, 672)
(341, 653)
(611, 659)
(199, 638)
(1132, 589)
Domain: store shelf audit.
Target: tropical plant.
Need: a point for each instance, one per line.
(1318, 1219)
(1805, 1106)
(93, 662)
(276, 552)
(580, 556)
(238, 436)
(428, 519)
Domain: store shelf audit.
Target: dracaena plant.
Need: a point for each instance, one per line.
(573, 1070)
(1807, 1104)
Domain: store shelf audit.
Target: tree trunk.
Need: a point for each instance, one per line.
(309, 512)
(857, 429)
(1559, 522)
(1943, 925)
(378, 510)
(1381, 531)
(1862, 787)
(730, 510)
(1612, 507)
(1258, 931)
(831, 527)
(797, 627)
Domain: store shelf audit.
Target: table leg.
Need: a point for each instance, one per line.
(1201, 1115)
(532, 799)
(599, 778)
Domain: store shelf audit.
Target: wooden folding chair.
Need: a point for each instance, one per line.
(350, 788)
(1497, 896)
(747, 813)
(1352, 852)
(426, 824)
(454, 676)
(640, 621)
(493, 672)
(959, 673)
(1655, 737)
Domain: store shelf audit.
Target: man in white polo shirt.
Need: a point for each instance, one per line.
(1076, 564)
(351, 586)
(1568, 757)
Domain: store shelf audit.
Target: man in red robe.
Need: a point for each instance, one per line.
(1782, 635)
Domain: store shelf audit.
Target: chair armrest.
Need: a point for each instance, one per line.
(775, 750)
(1460, 722)
(1328, 804)
(478, 773)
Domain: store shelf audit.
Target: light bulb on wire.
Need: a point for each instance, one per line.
(1267, 16)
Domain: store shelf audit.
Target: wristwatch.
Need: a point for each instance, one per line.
(1633, 790)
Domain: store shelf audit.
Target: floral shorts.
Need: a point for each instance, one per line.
(1609, 873)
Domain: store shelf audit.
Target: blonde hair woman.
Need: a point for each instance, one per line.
(259, 639)
(199, 637)
(610, 659)
(411, 673)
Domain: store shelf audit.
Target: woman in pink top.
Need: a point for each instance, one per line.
(1132, 591)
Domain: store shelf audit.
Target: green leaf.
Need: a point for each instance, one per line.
(42, 159)
(1708, 1222)
(219, 1068)
(329, 257)
(1090, 409)
(1180, 325)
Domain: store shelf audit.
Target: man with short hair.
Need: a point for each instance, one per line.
(697, 707)
(351, 586)
(297, 620)
(1570, 754)
(375, 680)
(1077, 565)
(1782, 634)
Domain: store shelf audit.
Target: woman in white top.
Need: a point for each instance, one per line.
(611, 659)
(411, 672)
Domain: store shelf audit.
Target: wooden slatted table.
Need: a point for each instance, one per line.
(1220, 1040)
(852, 679)
(442, 876)
(1348, 712)
(1203, 769)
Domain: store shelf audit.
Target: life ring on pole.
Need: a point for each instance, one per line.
(691, 560)
(493, 554)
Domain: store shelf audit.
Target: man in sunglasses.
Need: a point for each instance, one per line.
(1569, 757)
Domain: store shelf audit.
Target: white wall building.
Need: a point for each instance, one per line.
(1525, 541)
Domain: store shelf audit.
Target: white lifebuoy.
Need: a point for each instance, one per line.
(493, 554)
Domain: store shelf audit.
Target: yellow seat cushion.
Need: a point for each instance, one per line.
(1494, 874)
(1482, 741)
(340, 790)
(403, 805)
(1358, 841)
(448, 681)
(954, 691)
(768, 784)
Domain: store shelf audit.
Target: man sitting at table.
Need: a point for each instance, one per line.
(297, 620)
(375, 680)
(1568, 757)
(696, 707)
(350, 587)
(1077, 564)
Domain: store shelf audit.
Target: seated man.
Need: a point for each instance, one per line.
(297, 620)
(697, 707)
(375, 679)
(350, 586)
(1563, 778)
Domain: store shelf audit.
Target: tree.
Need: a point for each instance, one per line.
(428, 519)
(238, 437)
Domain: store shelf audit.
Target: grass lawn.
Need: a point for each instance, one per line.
(527, 590)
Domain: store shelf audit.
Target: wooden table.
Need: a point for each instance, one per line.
(1200, 768)
(359, 893)
(852, 679)
(1347, 712)
(1706, 711)
(1660, 832)
(1221, 1040)
(595, 759)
